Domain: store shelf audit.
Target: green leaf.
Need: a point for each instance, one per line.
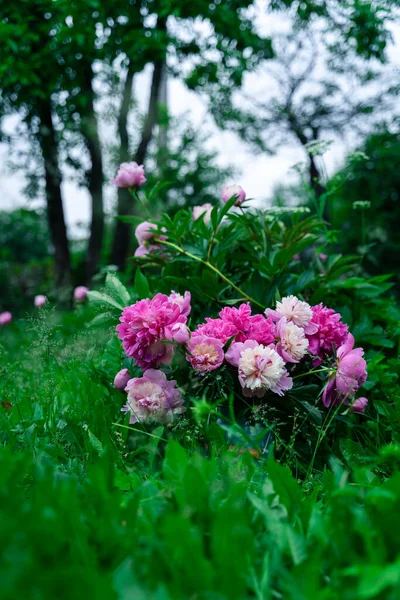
(142, 287)
(117, 289)
(105, 319)
(175, 462)
(95, 443)
(225, 209)
(104, 299)
(287, 488)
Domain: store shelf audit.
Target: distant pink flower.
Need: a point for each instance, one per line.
(121, 379)
(204, 211)
(153, 399)
(294, 310)
(359, 405)
(182, 301)
(229, 191)
(145, 325)
(322, 256)
(330, 334)
(216, 328)
(205, 353)
(40, 301)
(260, 368)
(296, 256)
(5, 318)
(145, 233)
(130, 175)
(80, 293)
(292, 343)
(350, 374)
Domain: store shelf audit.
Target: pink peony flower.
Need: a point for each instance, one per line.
(284, 384)
(216, 328)
(182, 301)
(292, 344)
(145, 233)
(260, 368)
(359, 405)
(148, 249)
(152, 398)
(330, 334)
(40, 301)
(5, 318)
(204, 211)
(121, 379)
(205, 353)
(130, 175)
(180, 333)
(233, 190)
(294, 310)
(239, 317)
(350, 374)
(240, 323)
(260, 329)
(144, 328)
(80, 293)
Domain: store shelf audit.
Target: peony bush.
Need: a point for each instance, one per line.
(238, 322)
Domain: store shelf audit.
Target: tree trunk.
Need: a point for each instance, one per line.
(317, 186)
(125, 201)
(313, 171)
(55, 212)
(122, 233)
(95, 176)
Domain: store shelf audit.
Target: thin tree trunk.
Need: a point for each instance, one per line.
(90, 131)
(122, 233)
(313, 171)
(55, 211)
(125, 201)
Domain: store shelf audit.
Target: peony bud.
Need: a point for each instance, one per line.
(180, 333)
(80, 293)
(130, 175)
(359, 405)
(121, 379)
(233, 190)
(5, 318)
(40, 301)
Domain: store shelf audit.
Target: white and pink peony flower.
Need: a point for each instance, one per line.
(152, 398)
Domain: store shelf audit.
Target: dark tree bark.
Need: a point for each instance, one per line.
(313, 171)
(315, 177)
(90, 132)
(122, 233)
(55, 211)
(125, 203)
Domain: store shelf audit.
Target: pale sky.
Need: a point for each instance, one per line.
(258, 174)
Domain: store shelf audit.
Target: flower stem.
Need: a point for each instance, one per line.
(207, 264)
(311, 372)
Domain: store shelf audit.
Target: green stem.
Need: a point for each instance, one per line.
(140, 431)
(143, 202)
(311, 372)
(207, 264)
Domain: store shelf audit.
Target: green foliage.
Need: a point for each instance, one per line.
(25, 262)
(371, 176)
(112, 511)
